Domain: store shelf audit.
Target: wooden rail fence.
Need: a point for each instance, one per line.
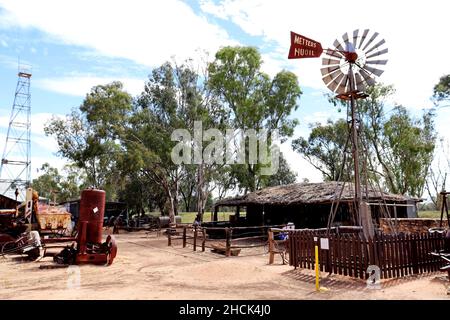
(231, 242)
(349, 255)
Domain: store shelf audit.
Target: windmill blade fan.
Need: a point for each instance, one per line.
(376, 46)
(371, 40)
(355, 37)
(328, 70)
(374, 71)
(367, 78)
(330, 62)
(332, 76)
(344, 85)
(363, 37)
(354, 62)
(378, 53)
(360, 85)
(334, 53)
(383, 62)
(338, 45)
(333, 85)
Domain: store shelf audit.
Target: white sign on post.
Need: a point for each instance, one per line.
(324, 244)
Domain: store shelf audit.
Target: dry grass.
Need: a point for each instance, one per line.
(429, 214)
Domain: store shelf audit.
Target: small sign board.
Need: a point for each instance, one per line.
(303, 47)
(324, 244)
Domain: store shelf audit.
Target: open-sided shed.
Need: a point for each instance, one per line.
(308, 205)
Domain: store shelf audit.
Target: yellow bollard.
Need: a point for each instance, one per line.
(318, 288)
(316, 249)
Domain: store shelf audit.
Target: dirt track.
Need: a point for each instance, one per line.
(146, 268)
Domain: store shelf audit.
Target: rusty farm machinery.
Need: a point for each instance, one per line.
(84, 246)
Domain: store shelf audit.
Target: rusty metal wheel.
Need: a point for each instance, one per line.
(111, 249)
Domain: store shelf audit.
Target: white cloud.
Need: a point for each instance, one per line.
(147, 32)
(415, 33)
(38, 121)
(319, 117)
(81, 85)
(299, 165)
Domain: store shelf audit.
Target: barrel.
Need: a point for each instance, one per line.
(92, 211)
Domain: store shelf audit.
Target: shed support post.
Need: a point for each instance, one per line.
(195, 238)
(229, 233)
(204, 239)
(216, 209)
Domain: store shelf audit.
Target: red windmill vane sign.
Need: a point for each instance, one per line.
(302, 47)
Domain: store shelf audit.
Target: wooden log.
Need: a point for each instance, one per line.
(220, 248)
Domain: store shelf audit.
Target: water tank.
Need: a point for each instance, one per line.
(92, 211)
(164, 221)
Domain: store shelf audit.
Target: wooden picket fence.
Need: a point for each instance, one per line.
(349, 255)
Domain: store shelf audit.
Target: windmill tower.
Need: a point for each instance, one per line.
(15, 169)
(348, 69)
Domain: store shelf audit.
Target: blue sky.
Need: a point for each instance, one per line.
(74, 45)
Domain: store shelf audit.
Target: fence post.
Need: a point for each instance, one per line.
(184, 237)
(169, 237)
(271, 251)
(195, 238)
(414, 254)
(228, 241)
(204, 239)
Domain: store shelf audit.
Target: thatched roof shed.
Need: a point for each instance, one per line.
(309, 193)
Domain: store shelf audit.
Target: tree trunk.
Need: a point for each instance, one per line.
(200, 184)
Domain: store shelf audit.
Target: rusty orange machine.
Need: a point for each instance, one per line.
(89, 247)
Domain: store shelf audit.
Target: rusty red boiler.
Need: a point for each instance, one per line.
(92, 211)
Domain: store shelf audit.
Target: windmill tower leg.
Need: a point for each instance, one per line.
(15, 169)
(363, 209)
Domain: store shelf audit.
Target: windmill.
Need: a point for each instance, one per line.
(348, 68)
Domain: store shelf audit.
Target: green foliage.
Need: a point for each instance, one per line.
(397, 148)
(253, 99)
(441, 90)
(124, 145)
(324, 149)
(283, 176)
(411, 143)
(66, 187)
(88, 137)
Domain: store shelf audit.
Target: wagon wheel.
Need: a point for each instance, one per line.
(111, 248)
(8, 247)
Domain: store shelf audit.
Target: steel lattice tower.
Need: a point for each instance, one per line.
(15, 169)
